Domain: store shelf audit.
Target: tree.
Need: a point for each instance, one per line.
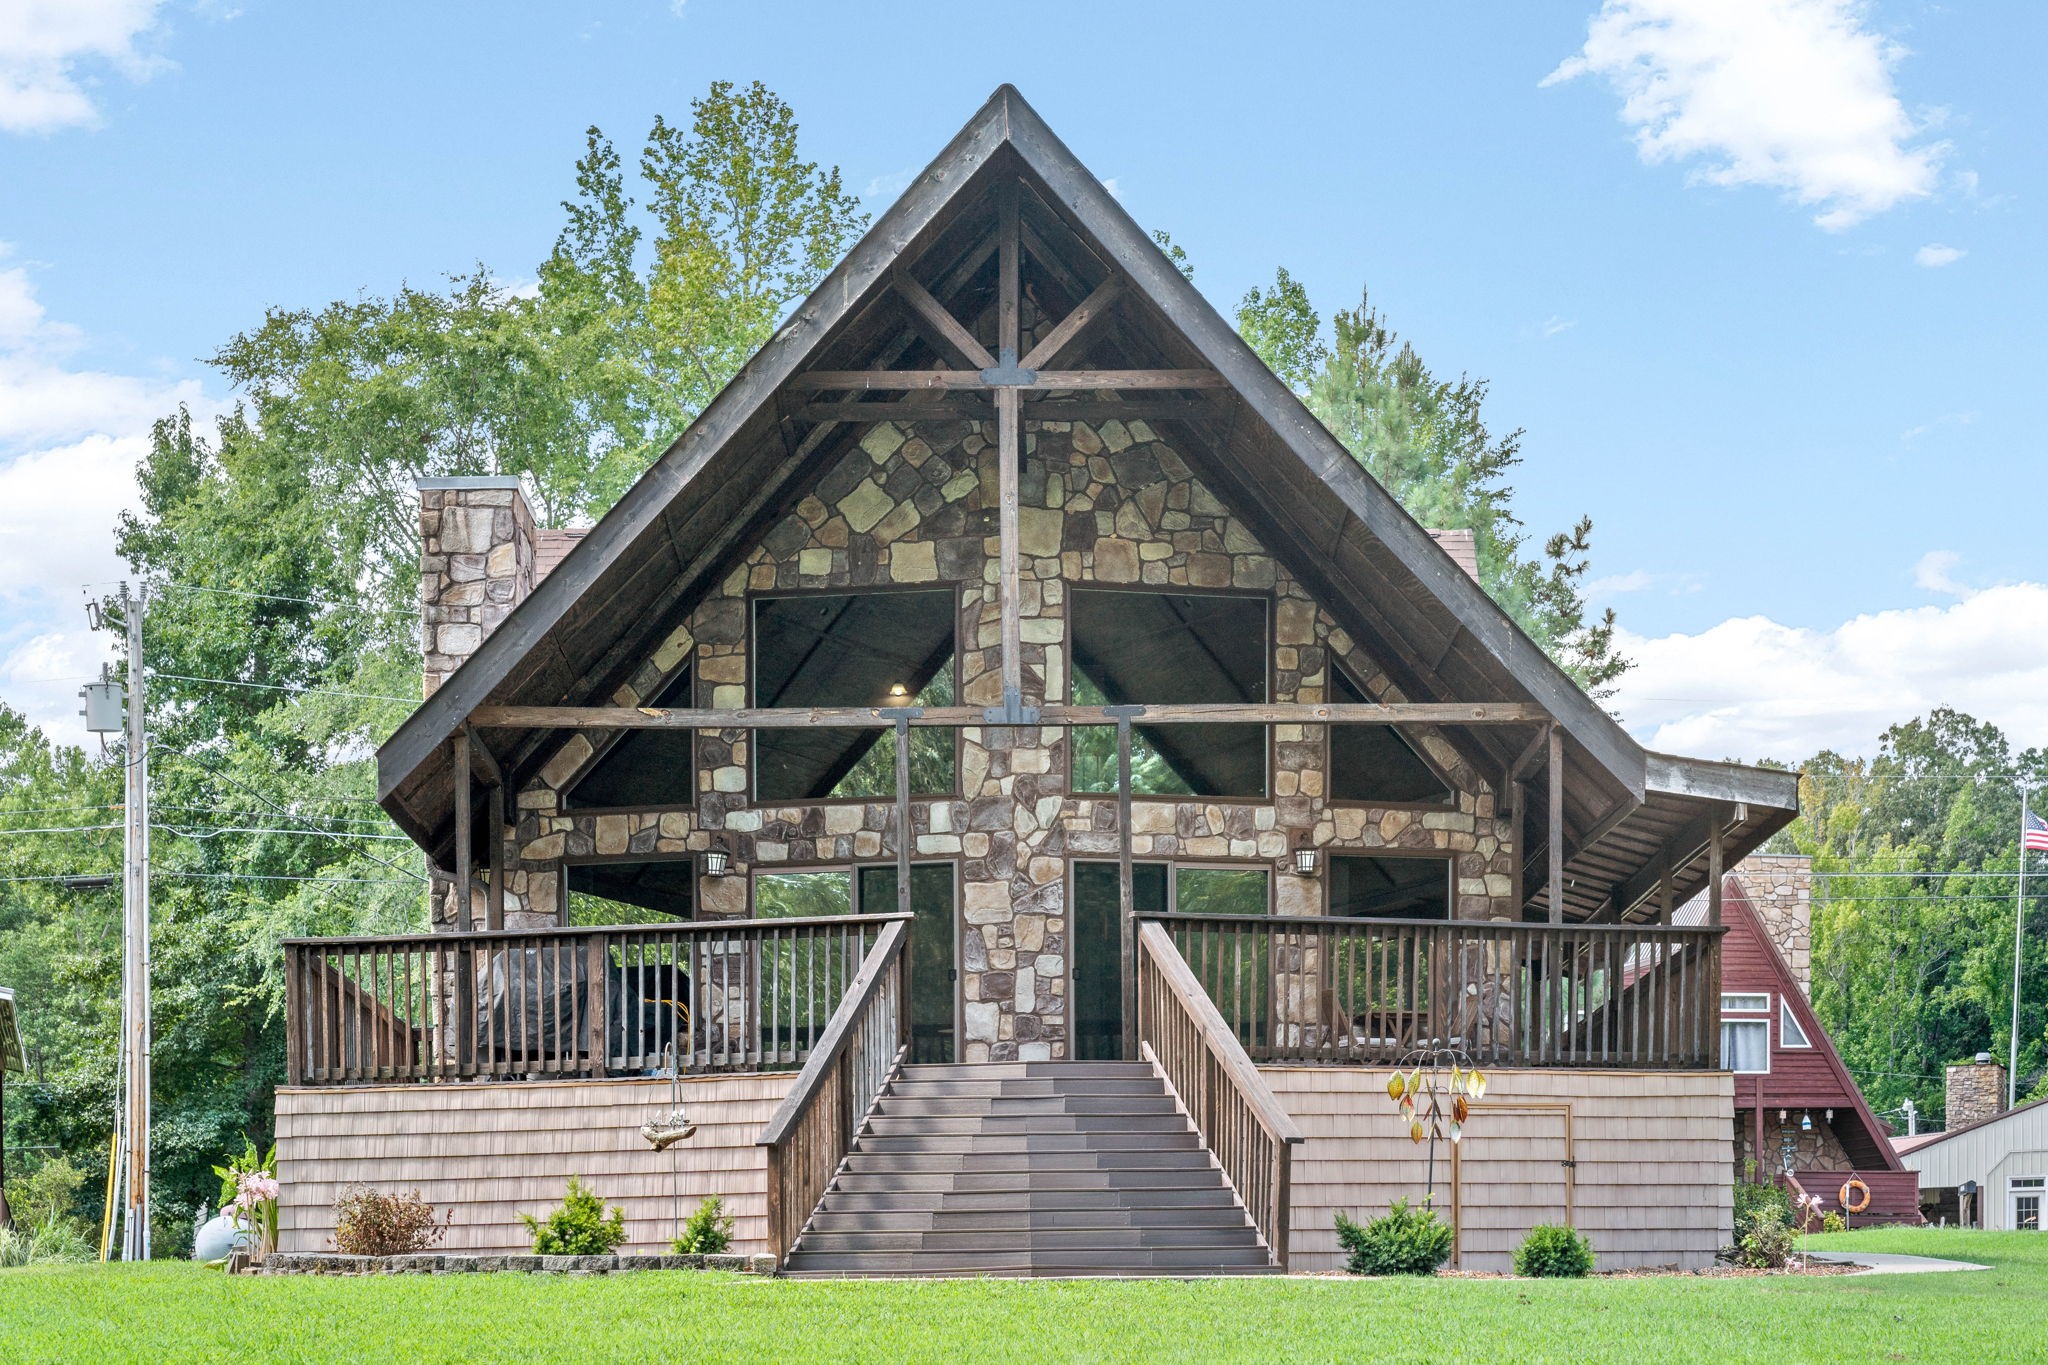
(1427, 443)
(280, 552)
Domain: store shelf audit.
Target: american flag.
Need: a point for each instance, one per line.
(2034, 833)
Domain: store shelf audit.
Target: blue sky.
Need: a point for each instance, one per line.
(1762, 281)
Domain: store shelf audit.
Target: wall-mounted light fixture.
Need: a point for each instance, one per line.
(1307, 857)
(717, 857)
(1806, 1120)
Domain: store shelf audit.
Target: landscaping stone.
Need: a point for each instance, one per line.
(454, 1263)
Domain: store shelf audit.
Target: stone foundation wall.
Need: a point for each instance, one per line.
(1819, 1150)
(1107, 504)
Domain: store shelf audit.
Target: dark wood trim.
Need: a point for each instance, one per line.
(1074, 323)
(465, 833)
(949, 328)
(1204, 713)
(1555, 816)
(815, 381)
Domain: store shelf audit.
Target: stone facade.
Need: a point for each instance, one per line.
(1976, 1091)
(476, 564)
(1786, 1147)
(1107, 504)
(1780, 886)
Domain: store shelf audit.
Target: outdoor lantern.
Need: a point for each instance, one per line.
(1306, 856)
(1831, 1116)
(1781, 1116)
(717, 857)
(1806, 1120)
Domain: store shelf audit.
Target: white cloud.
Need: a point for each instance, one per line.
(1554, 324)
(70, 440)
(1947, 419)
(889, 185)
(1933, 573)
(47, 45)
(1791, 94)
(1115, 190)
(1618, 584)
(1752, 688)
(1934, 255)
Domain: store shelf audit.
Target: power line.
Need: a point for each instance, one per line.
(282, 687)
(191, 832)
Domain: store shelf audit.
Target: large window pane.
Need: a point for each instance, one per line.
(1376, 762)
(1390, 888)
(644, 767)
(1166, 649)
(852, 649)
(802, 895)
(1220, 890)
(1746, 1045)
(632, 892)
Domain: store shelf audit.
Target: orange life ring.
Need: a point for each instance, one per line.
(1862, 1192)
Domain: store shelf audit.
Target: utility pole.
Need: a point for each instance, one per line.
(135, 1011)
(2019, 910)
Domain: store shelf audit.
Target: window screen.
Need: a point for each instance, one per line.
(852, 649)
(1390, 888)
(1735, 1003)
(1376, 762)
(644, 767)
(1221, 890)
(1746, 1045)
(1163, 648)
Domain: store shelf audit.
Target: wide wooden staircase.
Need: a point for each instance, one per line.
(1174, 1165)
(1031, 1168)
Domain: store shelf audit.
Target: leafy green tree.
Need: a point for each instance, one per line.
(1426, 441)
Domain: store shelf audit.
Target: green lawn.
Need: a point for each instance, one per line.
(169, 1312)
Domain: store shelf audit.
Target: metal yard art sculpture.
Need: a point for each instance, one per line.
(1433, 1089)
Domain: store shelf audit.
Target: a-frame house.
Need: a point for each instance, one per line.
(1032, 784)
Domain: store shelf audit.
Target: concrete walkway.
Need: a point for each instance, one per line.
(1884, 1263)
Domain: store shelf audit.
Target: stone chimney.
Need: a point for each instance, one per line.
(1976, 1091)
(1780, 886)
(476, 564)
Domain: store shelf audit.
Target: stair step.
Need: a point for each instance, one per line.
(1030, 1241)
(1149, 1086)
(1159, 1199)
(1027, 1221)
(1048, 1270)
(1032, 1178)
(1128, 1261)
(1005, 1071)
(1034, 1154)
(1046, 1138)
(1025, 1106)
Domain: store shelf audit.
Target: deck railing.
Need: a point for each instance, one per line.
(1369, 992)
(737, 995)
(817, 1121)
(1240, 1120)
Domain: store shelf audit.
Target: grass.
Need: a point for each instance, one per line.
(175, 1312)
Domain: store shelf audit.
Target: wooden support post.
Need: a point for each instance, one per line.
(1665, 907)
(494, 911)
(1009, 449)
(1556, 825)
(1716, 853)
(1126, 892)
(1520, 791)
(904, 839)
(464, 841)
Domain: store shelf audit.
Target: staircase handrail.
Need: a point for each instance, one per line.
(862, 1046)
(1235, 1111)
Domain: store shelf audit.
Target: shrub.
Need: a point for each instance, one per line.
(1833, 1221)
(1554, 1252)
(1769, 1243)
(581, 1227)
(369, 1222)
(708, 1231)
(1754, 1200)
(49, 1193)
(1401, 1241)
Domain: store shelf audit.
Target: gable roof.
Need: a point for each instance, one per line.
(1427, 623)
(1920, 1142)
(1873, 1151)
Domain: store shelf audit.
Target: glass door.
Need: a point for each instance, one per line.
(934, 975)
(1095, 995)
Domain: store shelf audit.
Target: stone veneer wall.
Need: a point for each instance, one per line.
(1780, 886)
(476, 564)
(1819, 1150)
(1109, 504)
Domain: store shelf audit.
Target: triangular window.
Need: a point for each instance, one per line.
(1789, 1032)
(1376, 762)
(644, 767)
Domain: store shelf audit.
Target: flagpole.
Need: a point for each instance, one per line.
(2019, 905)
